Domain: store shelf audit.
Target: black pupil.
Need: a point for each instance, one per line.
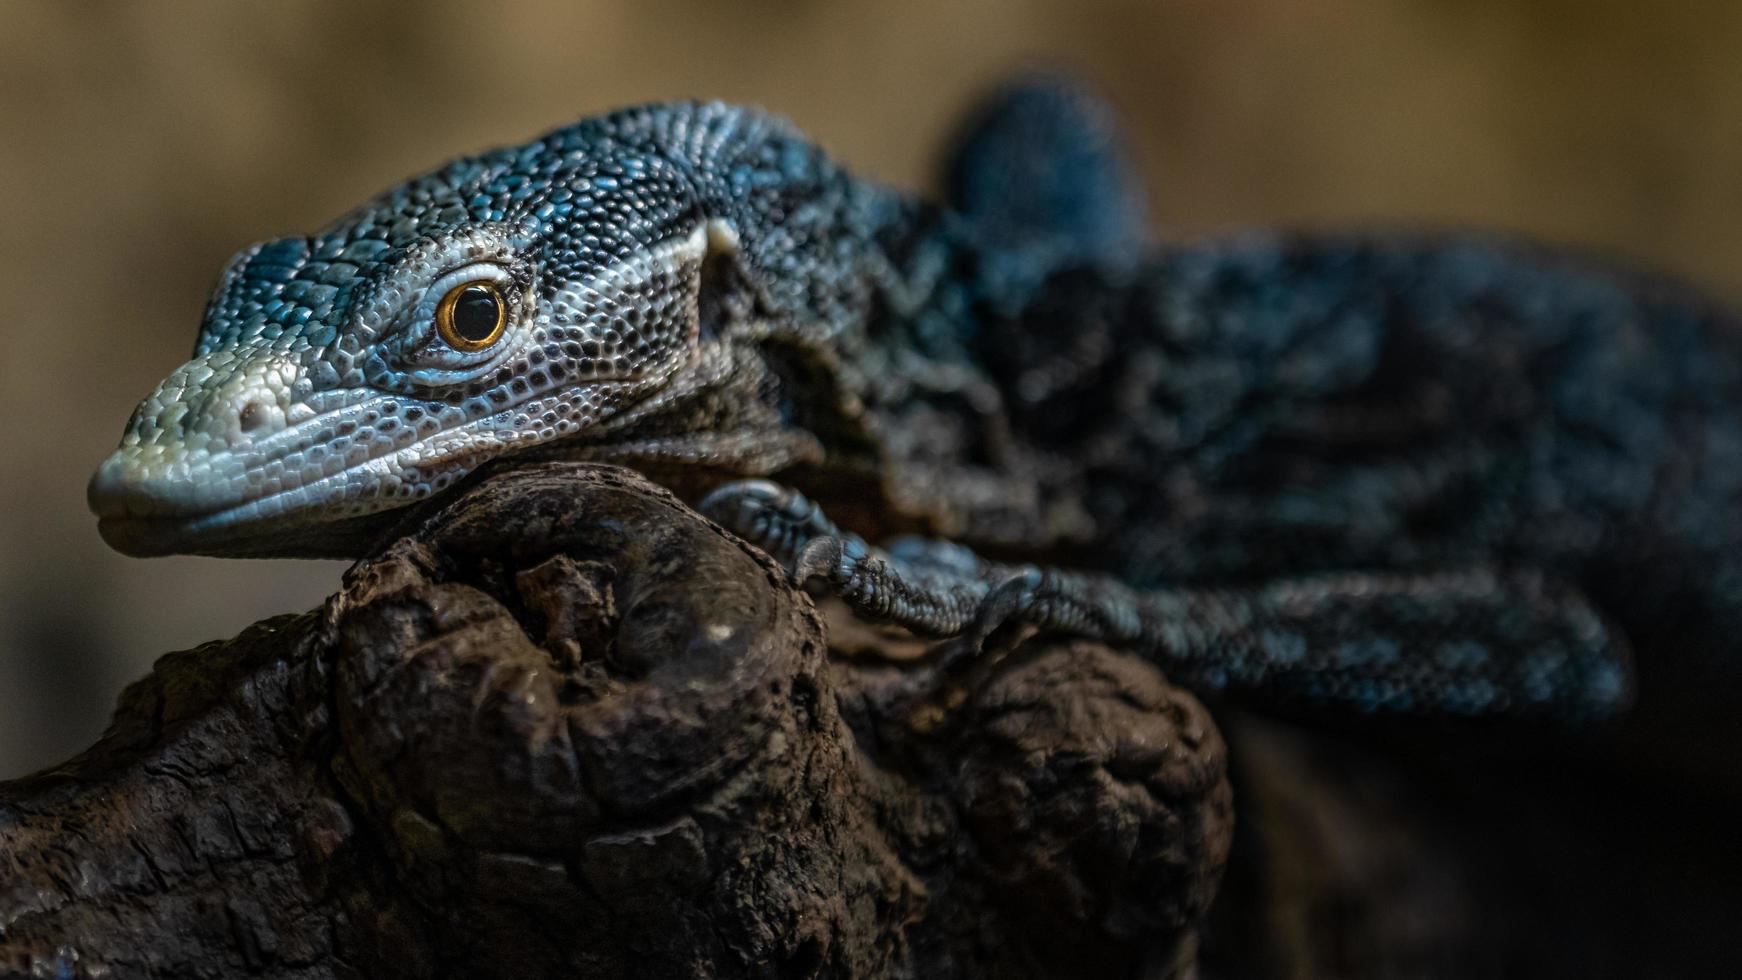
(475, 314)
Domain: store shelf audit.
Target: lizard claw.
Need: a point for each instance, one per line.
(834, 559)
(1012, 599)
(780, 521)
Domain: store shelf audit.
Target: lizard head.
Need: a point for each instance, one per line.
(499, 303)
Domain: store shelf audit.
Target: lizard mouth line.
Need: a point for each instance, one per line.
(361, 490)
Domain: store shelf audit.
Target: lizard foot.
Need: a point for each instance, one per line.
(1459, 643)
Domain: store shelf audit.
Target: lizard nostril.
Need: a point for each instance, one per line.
(251, 417)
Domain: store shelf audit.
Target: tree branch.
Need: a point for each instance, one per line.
(565, 725)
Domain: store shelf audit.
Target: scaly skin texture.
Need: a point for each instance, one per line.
(319, 392)
(1446, 475)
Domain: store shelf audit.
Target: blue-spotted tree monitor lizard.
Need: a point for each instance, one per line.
(1445, 475)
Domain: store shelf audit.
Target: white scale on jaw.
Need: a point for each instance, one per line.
(291, 465)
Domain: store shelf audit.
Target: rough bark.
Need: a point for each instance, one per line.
(565, 726)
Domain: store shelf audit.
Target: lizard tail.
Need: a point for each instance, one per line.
(1042, 161)
(1468, 644)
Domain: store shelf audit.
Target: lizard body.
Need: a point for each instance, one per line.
(1451, 475)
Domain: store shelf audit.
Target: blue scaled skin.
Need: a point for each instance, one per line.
(1446, 476)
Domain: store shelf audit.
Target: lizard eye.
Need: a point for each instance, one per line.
(471, 316)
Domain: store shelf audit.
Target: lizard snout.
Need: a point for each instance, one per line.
(185, 448)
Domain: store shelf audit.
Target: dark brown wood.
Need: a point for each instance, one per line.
(564, 726)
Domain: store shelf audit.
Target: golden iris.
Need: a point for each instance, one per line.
(472, 316)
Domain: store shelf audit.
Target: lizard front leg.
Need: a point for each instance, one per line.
(1457, 643)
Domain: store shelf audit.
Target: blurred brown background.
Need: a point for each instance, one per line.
(142, 143)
